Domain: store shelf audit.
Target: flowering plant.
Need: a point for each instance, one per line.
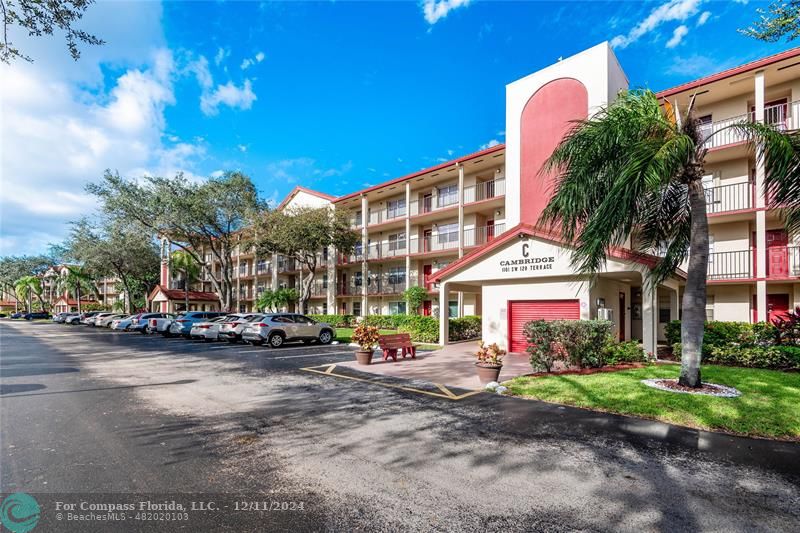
(491, 355)
(366, 336)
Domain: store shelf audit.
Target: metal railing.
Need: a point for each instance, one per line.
(286, 265)
(434, 243)
(431, 204)
(482, 234)
(385, 286)
(730, 265)
(782, 116)
(485, 190)
(734, 197)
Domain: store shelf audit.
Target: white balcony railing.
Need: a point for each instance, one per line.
(725, 198)
(485, 190)
(782, 116)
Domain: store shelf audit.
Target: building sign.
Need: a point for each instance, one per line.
(527, 263)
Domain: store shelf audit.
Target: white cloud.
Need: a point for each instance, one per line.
(677, 36)
(242, 147)
(248, 62)
(222, 55)
(63, 125)
(673, 10)
(435, 10)
(303, 170)
(229, 95)
(703, 18)
(493, 142)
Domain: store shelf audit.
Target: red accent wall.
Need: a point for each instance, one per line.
(545, 120)
(164, 275)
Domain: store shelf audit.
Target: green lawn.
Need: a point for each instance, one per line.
(768, 407)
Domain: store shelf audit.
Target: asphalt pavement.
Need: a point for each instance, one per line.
(92, 417)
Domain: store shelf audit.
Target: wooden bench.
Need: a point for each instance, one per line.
(401, 341)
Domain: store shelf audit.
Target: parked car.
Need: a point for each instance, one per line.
(231, 329)
(88, 318)
(105, 322)
(276, 329)
(122, 324)
(140, 321)
(17, 315)
(182, 325)
(73, 319)
(93, 320)
(208, 330)
(160, 324)
(37, 315)
(59, 318)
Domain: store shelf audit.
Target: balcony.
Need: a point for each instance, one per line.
(485, 191)
(356, 257)
(782, 262)
(482, 234)
(386, 286)
(726, 198)
(431, 204)
(286, 265)
(436, 243)
(318, 289)
(782, 116)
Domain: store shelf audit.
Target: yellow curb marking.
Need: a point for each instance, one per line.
(448, 394)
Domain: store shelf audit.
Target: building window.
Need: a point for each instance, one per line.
(397, 308)
(261, 266)
(452, 309)
(243, 268)
(358, 279)
(260, 289)
(397, 241)
(447, 233)
(356, 308)
(324, 282)
(448, 195)
(396, 208)
(397, 276)
(710, 308)
(324, 308)
(358, 217)
(325, 254)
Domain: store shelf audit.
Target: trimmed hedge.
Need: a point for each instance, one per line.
(337, 321)
(719, 334)
(426, 328)
(776, 357)
(575, 343)
(624, 352)
(465, 328)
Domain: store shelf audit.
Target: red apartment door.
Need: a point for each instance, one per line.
(427, 308)
(777, 306)
(427, 270)
(777, 253)
(489, 230)
(522, 312)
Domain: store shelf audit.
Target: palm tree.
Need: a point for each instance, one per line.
(26, 287)
(634, 172)
(74, 280)
(189, 270)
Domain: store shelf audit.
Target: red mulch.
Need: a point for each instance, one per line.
(583, 371)
(705, 387)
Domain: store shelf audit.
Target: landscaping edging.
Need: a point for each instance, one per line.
(584, 371)
(718, 391)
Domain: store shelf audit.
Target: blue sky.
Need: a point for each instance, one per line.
(331, 95)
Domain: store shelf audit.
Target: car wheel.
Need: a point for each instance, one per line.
(326, 337)
(276, 340)
(145, 330)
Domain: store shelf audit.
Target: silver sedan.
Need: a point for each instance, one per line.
(208, 330)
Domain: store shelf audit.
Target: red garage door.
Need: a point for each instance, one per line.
(522, 312)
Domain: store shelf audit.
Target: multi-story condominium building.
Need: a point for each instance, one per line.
(465, 230)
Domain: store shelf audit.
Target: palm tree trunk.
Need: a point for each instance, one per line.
(694, 296)
(186, 290)
(78, 292)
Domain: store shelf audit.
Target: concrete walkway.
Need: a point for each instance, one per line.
(453, 365)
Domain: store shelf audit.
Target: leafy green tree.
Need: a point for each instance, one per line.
(43, 17)
(26, 287)
(111, 249)
(272, 301)
(301, 234)
(414, 296)
(188, 269)
(12, 268)
(77, 280)
(781, 19)
(633, 172)
(199, 218)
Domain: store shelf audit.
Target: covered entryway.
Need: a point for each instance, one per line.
(523, 311)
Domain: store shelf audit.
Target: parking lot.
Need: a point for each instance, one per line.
(101, 411)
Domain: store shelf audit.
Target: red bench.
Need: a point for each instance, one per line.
(390, 344)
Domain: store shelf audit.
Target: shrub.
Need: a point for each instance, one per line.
(465, 328)
(578, 343)
(337, 321)
(788, 328)
(765, 334)
(624, 352)
(676, 350)
(724, 333)
(414, 296)
(491, 355)
(777, 357)
(420, 328)
(384, 321)
(366, 336)
(673, 332)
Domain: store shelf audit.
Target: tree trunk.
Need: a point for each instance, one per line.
(78, 292)
(694, 295)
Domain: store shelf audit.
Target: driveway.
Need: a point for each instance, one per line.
(96, 411)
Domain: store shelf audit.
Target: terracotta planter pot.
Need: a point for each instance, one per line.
(364, 357)
(487, 374)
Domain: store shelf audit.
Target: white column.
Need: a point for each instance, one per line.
(364, 266)
(408, 234)
(273, 261)
(332, 281)
(649, 318)
(674, 313)
(461, 211)
(761, 219)
(444, 322)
